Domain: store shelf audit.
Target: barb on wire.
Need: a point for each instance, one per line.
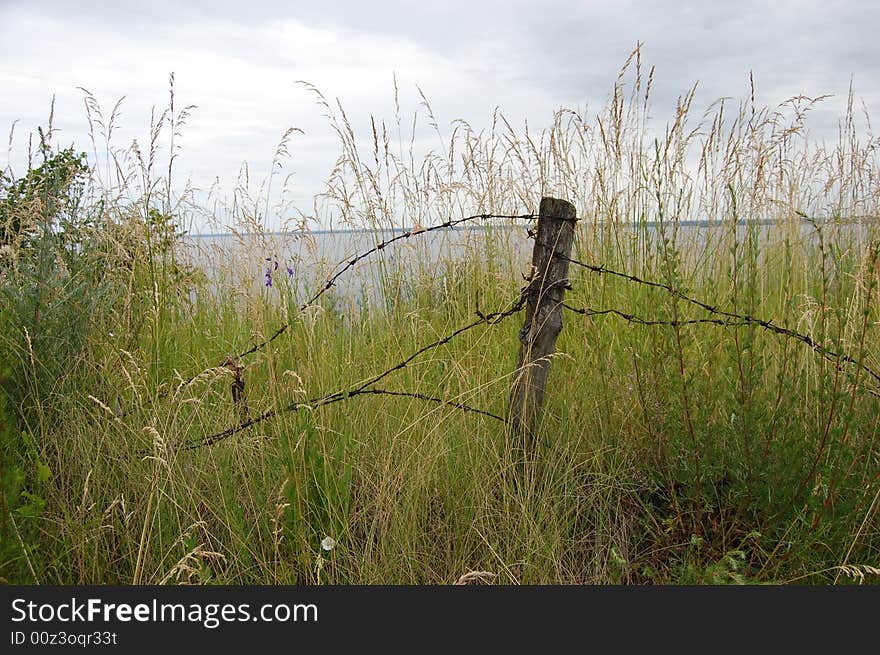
(367, 386)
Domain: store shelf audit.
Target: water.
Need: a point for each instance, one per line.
(294, 266)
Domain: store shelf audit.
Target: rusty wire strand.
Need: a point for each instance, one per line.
(638, 320)
(380, 246)
(348, 265)
(314, 403)
(735, 319)
(365, 387)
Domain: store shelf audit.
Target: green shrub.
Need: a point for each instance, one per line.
(50, 277)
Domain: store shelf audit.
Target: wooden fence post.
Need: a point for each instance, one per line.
(544, 297)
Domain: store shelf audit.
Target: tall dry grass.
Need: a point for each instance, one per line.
(669, 454)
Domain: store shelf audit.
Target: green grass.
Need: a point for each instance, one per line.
(667, 454)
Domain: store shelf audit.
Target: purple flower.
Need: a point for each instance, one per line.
(273, 266)
(289, 272)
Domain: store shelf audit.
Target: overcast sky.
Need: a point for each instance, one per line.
(239, 61)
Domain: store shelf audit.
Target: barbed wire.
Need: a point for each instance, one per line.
(632, 318)
(314, 403)
(348, 265)
(725, 318)
(735, 319)
(366, 387)
(380, 246)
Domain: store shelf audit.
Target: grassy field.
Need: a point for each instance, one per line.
(669, 453)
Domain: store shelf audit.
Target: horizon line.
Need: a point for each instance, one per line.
(458, 228)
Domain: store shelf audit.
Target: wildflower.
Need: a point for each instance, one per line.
(328, 543)
(289, 272)
(273, 266)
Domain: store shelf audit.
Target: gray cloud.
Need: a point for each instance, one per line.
(239, 61)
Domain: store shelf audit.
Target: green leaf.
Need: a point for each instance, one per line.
(43, 472)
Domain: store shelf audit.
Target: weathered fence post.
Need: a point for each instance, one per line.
(544, 296)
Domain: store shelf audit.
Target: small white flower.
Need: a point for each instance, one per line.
(328, 543)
